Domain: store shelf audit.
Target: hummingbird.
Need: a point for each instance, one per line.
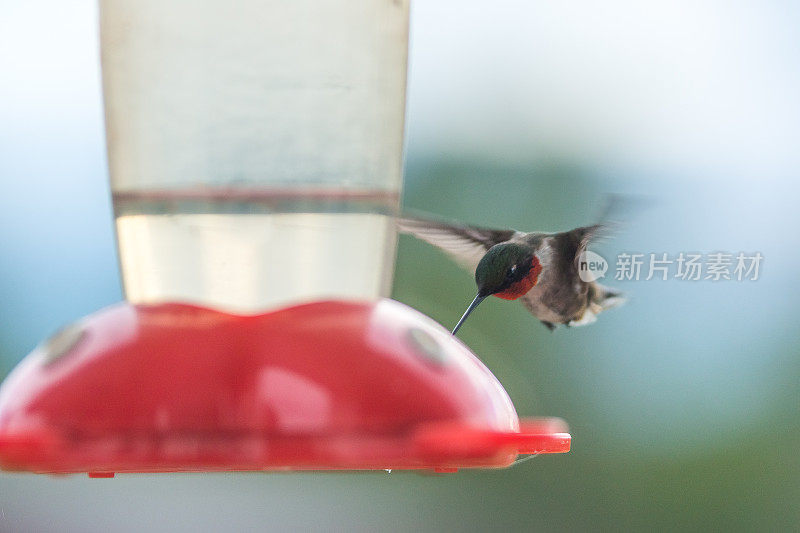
(540, 269)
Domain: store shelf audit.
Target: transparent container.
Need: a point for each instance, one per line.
(255, 147)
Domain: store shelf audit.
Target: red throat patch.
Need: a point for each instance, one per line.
(521, 287)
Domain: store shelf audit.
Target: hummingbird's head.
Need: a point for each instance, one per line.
(508, 270)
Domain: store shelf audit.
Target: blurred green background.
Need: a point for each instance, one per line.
(684, 404)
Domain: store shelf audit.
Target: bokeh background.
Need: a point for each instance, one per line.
(684, 404)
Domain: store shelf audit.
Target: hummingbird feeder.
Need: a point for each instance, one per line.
(255, 164)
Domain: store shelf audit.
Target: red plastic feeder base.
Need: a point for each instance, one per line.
(328, 385)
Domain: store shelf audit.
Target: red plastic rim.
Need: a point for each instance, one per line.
(328, 385)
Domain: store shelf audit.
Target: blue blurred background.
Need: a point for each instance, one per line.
(684, 404)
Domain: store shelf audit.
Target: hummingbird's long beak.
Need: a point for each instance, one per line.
(478, 299)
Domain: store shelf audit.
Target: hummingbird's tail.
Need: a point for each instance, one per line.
(606, 297)
(601, 298)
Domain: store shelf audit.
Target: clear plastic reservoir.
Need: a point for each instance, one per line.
(255, 147)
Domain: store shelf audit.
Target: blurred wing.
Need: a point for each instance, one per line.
(580, 238)
(465, 244)
(588, 234)
(569, 245)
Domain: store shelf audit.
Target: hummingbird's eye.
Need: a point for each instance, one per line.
(511, 271)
